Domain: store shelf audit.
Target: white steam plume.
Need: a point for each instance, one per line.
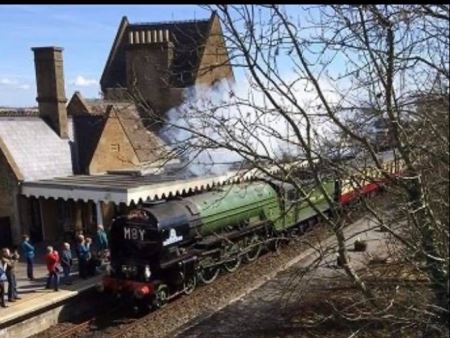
(215, 126)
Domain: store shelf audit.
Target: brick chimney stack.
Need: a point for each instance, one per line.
(51, 95)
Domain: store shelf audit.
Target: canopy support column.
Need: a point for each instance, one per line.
(98, 208)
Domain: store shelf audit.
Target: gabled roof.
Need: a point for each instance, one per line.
(36, 151)
(188, 38)
(87, 129)
(78, 105)
(90, 117)
(114, 71)
(147, 145)
(88, 120)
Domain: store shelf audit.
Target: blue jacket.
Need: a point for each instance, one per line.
(101, 240)
(66, 258)
(85, 252)
(28, 249)
(2, 275)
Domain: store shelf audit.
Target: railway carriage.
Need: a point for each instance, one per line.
(367, 180)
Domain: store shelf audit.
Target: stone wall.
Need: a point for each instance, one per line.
(214, 64)
(114, 150)
(148, 72)
(8, 197)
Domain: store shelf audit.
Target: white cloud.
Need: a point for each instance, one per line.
(24, 86)
(81, 81)
(13, 84)
(7, 82)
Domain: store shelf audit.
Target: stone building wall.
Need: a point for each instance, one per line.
(214, 64)
(114, 150)
(8, 203)
(148, 72)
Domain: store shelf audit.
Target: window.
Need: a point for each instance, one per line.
(115, 147)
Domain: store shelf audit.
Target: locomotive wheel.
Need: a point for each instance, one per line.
(255, 250)
(233, 265)
(208, 275)
(278, 242)
(190, 285)
(161, 296)
(277, 246)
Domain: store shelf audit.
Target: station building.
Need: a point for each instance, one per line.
(70, 166)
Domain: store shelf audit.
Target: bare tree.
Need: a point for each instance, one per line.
(309, 71)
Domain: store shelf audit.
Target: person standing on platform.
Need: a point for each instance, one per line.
(29, 253)
(3, 279)
(85, 256)
(52, 260)
(101, 238)
(66, 263)
(91, 261)
(101, 241)
(10, 260)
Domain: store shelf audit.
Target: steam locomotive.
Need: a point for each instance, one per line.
(163, 249)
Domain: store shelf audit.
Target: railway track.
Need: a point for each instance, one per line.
(123, 331)
(75, 329)
(89, 324)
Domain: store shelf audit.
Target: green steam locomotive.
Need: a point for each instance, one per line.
(162, 249)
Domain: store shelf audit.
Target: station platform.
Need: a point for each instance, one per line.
(35, 298)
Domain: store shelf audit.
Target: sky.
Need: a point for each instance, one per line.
(86, 32)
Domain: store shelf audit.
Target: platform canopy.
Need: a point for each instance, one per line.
(119, 188)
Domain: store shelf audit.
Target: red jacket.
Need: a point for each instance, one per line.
(52, 261)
